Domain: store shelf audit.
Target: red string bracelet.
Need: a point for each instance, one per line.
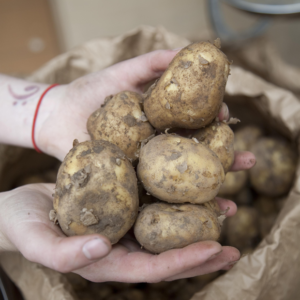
(35, 116)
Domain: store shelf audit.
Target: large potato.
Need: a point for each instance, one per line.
(96, 191)
(121, 122)
(219, 138)
(162, 226)
(274, 171)
(177, 170)
(190, 92)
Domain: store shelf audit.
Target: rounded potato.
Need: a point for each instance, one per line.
(122, 122)
(96, 191)
(190, 92)
(177, 170)
(242, 229)
(245, 137)
(162, 226)
(219, 138)
(234, 183)
(275, 167)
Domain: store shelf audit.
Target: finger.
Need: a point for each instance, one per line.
(243, 160)
(63, 254)
(225, 204)
(223, 261)
(145, 267)
(223, 114)
(142, 69)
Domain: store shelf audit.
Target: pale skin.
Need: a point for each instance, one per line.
(24, 220)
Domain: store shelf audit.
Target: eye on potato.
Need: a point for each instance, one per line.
(177, 170)
(122, 122)
(163, 226)
(275, 167)
(219, 138)
(190, 92)
(96, 191)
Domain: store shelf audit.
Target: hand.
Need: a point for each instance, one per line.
(25, 226)
(72, 104)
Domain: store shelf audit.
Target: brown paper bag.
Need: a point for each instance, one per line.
(272, 271)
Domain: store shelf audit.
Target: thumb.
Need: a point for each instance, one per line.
(63, 254)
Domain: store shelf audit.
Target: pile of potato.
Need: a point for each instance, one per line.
(97, 188)
(259, 192)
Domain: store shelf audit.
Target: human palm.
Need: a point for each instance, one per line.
(25, 226)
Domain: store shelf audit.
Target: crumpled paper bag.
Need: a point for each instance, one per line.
(273, 270)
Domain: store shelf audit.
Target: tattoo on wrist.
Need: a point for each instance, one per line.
(22, 99)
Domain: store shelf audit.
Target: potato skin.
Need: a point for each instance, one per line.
(121, 121)
(219, 138)
(275, 167)
(177, 170)
(96, 191)
(245, 137)
(234, 183)
(243, 228)
(190, 92)
(162, 226)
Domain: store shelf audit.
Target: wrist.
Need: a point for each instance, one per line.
(47, 121)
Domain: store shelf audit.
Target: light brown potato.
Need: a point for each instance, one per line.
(234, 183)
(177, 170)
(190, 92)
(275, 167)
(245, 137)
(96, 191)
(122, 122)
(242, 229)
(162, 226)
(219, 138)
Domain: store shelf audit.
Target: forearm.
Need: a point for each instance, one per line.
(18, 102)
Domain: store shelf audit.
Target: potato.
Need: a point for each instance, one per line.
(219, 138)
(96, 191)
(274, 171)
(245, 137)
(242, 229)
(162, 226)
(122, 122)
(190, 92)
(234, 183)
(177, 170)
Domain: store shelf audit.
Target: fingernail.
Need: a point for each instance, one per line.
(214, 256)
(232, 263)
(95, 249)
(223, 112)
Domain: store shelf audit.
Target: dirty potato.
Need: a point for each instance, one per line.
(234, 183)
(96, 191)
(219, 138)
(275, 167)
(242, 230)
(245, 137)
(190, 92)
(177, 170)
(163, 226)
(122, 122)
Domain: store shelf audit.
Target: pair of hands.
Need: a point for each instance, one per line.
(24, 212)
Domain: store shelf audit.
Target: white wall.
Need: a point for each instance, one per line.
(82, 20)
